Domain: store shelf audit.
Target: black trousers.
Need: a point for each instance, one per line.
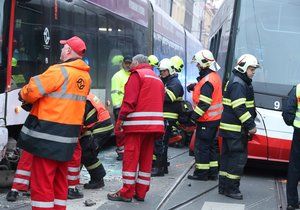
(234, 157)
(294, 170)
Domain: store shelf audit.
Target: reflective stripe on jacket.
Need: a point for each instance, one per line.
(148, 111)
(296, 122)
(58, 97)
(215, 109)
(118, 82)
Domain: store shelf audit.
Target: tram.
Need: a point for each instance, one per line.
(273, 36)
(30, 31)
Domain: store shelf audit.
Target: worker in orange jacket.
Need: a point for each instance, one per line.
(51, 130)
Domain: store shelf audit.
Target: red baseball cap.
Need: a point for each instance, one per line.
(76, 44)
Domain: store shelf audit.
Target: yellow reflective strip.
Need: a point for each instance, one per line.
(202, 166)
(179, 99)
(199, 111)
(238, 102)
(93, 111)
(171, 95)
(95, 165)
(205, 99)
(226, 101)
(231, 176)
(103, 129)
(213, 164)
(230, 127)
(222, 173)
(170, 115)
(245, 117)
(249, 104)
(298, 91)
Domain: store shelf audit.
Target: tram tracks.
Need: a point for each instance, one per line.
(280, 194)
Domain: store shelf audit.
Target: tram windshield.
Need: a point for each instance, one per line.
(270, 30)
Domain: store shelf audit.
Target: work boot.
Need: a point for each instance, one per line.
(74, 193)
(12, 196)
(232, 189)
(201, 175)
(120, 153)
(93, 184)
(158, 169)
(292, 207)
(222, 180)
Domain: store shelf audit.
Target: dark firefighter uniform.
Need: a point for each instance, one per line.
(237, 119)
(207, 98)
(291, 116)
(97, 129)
(174, 93)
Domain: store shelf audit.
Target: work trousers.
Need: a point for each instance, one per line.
(161, 145)
(206, 151)
(49, 185)
(74, 167)
(138, 154)
(294, 170)
(233, 160)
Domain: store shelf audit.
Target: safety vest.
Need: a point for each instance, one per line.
(297, 117)
(118, 82)
(215, 109)
(148, 115)
(58, 97)
(102, 112)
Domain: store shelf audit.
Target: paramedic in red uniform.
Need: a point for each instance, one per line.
(51, 130)
(141, 122)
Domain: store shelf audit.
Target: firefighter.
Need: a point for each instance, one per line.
(207, 99)
(141, 122)
(174, 93)
(291, 116)
(51, 130)
(118, 82)
(237, 124)
(177, 63)
(153, 60)
(97, 130)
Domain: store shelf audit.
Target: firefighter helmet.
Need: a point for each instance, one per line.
(245, 61)
(117, 60)
(166, 64)
(153, 60)
(177, 63)
(206, 59)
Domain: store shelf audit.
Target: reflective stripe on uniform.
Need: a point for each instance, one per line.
(93, 166)
(128, 173)
(144, 174)
(202, 166)
(230, 127)
(171, 95)
(205, 99)
(23, 172)
(21, 181)
(238, 102)
(213, 164)
(39, 85)
(226, 101)
(41, 204)
(50, 137)
(103, 129)
(153, 77)
(93, 111)
(249, 104)
(198, 111)
(69, 177)
(144, 182)
(60, 202)
(154, 157)
(73, 169)
(128, 181)
(245, 117)
(170, 115)
(222, 173)
(232, 176)
(145, 114)
(144, 122)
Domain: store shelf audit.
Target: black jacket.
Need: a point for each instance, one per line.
(290, 107)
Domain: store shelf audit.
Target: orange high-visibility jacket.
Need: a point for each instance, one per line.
(58, 97)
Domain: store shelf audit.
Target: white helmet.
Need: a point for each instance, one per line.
(245, 61)
(206, 60)
(166, 64)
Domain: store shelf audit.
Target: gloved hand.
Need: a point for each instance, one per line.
(252, 131)
(26, 106)
(191, 87)
(118, 128)
(20, 97)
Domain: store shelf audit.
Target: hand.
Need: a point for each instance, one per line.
(252, 131)
(26, 106)
(20, 97)
(118, 128)
(191, 87)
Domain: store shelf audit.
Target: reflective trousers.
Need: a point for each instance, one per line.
(294, 170)
(49, 185)
(233, 157)
(74, 167)
(138, 154)
(206, 151)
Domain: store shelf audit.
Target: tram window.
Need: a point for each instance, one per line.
(103, 50)
(29, 41)
(64, 14)
(91, 21)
